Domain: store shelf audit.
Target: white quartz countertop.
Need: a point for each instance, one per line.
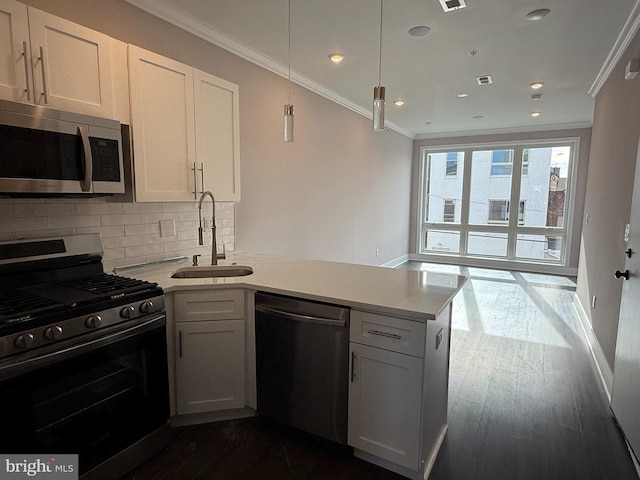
(416, 295)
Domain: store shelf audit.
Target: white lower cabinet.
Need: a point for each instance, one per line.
(398, 390)
(210, 351)
(384, 404)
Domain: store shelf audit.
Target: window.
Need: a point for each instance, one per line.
(499, 212)
(452, 164)
(449, 211)
(502, 162)
(466, 193)
(525, 161)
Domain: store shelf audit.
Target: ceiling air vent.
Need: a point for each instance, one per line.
(450, 5)
(484, 80)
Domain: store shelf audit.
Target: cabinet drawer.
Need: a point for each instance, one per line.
(390, 333)
(207, 305)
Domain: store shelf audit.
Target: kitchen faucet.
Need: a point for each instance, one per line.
(214, 246)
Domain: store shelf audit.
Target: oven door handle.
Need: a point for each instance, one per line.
(19, 364)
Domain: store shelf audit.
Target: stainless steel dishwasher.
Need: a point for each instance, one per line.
(302, 364)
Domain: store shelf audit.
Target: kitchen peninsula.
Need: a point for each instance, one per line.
(399, 346)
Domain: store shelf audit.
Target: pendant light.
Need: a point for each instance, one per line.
(288, 108)
(378, 92)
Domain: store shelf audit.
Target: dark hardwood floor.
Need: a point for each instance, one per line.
(524, 403)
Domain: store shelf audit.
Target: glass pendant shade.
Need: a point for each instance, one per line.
(378, 109)
(288, 123)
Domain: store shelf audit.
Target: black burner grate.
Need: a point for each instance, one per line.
(111, 285)
(14, 303)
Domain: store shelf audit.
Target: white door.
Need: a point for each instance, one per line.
(625, 396)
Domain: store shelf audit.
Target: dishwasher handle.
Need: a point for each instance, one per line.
(296, 317)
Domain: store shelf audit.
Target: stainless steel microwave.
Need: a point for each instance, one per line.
(47, 152)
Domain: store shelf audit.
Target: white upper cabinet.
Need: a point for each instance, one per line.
(53, 62)
(163, 129)
(217, 142)
(185, 131)
(15, 53)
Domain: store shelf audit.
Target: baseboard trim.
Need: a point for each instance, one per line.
(434, 453)
(600, 360)
(396, 261)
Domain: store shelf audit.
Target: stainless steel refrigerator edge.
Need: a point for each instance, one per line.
(302, 364)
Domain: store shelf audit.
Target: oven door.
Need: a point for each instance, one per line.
(93, 399)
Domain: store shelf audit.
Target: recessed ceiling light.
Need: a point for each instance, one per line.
(539, 14)
(462, 95)
(399, 102)
(535, 114)
(536, 85)
(419, 31)
(336, 57)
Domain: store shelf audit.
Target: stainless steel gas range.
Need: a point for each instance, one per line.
(83, 364)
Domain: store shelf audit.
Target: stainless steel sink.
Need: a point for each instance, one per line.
(212, 271)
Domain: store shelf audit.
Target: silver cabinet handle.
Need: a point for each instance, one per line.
(195, 181)
(353, 367)
(202, 176)
(44, 77)
(180, 343)
(85, 184)
(26, 70)
(385, 334)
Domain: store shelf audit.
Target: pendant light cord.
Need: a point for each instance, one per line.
(379, 48)
(289, 61)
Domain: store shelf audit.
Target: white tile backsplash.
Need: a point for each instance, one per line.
(130, 232)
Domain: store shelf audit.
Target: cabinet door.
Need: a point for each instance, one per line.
(384, 404)
(15, 70)
(209, 366)
(162, 122)
(71, 65)
(217, 135)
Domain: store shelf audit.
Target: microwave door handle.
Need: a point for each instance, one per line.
(85, 184)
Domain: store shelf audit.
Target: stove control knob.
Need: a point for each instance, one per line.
(53, 333)
(94, 321)
(127, 312)
(145, 307)
(24, 340)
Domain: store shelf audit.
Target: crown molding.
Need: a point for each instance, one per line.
(623, 41)
(201, 30)
(510, 130)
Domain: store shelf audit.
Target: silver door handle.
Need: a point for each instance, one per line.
(384, 334)
(85, 184)
(26, 70)
(44, 77)
(296, 317)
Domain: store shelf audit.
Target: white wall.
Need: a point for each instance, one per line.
(339, 192)
(616, 127)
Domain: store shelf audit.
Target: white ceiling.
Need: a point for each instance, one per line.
(566, 50)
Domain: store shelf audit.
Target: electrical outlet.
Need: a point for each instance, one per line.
(593, 302)
(168, 228)
(377, 252)
(586, 219)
